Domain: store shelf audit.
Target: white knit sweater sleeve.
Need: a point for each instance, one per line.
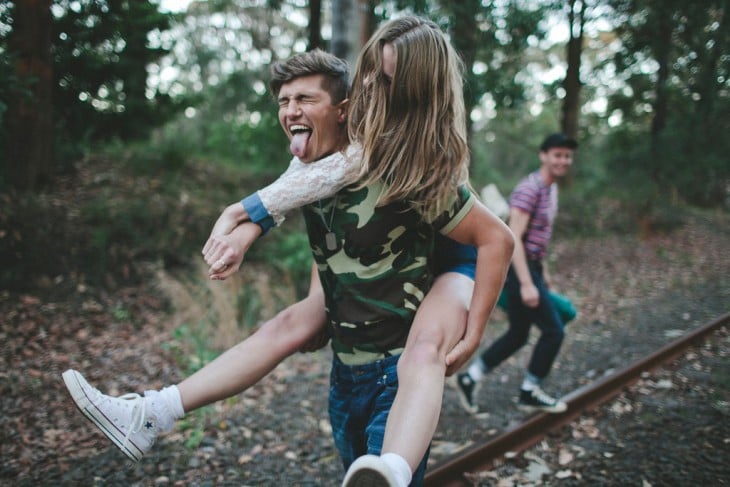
(302, 183)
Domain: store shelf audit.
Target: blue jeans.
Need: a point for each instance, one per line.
(521, 318)
(360, 399)
(452, 256)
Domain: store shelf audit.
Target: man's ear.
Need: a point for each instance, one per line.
(342, 110)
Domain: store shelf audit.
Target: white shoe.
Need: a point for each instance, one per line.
(369, 471)
(124, 420)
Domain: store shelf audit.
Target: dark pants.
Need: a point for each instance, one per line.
(521, 318)
(360, 399)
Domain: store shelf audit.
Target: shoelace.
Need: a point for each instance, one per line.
(138, 414)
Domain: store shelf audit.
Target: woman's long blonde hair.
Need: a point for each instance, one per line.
(412, 128)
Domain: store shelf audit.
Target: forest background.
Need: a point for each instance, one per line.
(125, 128)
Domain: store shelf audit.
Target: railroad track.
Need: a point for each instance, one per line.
(480, 457)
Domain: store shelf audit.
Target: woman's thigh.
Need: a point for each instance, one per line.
(441, 318)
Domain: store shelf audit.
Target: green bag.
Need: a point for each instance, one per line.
(562, 304)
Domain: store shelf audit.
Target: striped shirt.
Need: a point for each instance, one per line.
(540, 201)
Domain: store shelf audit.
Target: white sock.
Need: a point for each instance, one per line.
(166, 405)
(477, 370)
(400, 468)
(530, 382)
(171, 395)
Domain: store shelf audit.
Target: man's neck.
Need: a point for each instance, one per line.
(340, 148)
(546, 177)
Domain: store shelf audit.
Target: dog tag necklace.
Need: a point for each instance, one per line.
(330, 240)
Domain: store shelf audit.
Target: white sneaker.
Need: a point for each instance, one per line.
(124, 420)
(369, 471)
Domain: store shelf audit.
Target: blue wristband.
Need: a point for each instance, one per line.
(258, 213)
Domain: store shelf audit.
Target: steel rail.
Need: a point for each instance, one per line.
(449, 473)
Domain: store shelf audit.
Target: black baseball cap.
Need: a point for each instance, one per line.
(558, 140)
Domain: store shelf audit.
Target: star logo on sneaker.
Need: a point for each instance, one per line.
(148, 425)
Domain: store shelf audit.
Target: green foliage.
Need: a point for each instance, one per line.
(608, 192)
(197, 433)
(33, 237)
(101, 53)
(191, 351)
(154, 202)
(196, 352)
(104, 224)
(258, 147)
(9, 86)
(166, 161)
(9, 83)
(692, 151)
(506, 149)
(291, 254)
(512, 32)
(235, 122)
(674, 62)
(120, 313)
(249, 307)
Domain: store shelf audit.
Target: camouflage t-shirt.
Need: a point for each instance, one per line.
(374, 267)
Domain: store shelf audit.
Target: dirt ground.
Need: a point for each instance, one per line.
(633, 295)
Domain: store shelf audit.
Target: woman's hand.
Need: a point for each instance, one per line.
(224, 253)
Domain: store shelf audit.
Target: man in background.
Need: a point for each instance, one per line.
(533, 207)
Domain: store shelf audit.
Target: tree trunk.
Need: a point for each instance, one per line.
(135, 84)
(464, 33)
(572, 83)
(350, 29)
(315, 25)
(29, 141)
(659, 121)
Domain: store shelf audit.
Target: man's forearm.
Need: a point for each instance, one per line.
(519, 264)
(230, 218)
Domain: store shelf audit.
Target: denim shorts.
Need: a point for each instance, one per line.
(360, 399)
(452, 256)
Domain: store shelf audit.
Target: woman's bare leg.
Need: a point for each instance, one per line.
(245, 364)
(438, 325)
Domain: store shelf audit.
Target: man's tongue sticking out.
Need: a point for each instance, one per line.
(298, 144)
